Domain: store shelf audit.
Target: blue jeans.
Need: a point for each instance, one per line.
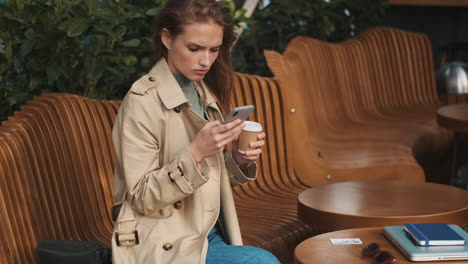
(221, 253)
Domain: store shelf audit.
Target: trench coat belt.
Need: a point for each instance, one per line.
(126, 234)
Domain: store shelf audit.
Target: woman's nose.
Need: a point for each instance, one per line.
(205, 59)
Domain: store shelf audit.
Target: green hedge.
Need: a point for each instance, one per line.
(88, 47)
(276, 22)
(97, 48)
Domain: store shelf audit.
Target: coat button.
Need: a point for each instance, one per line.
(167, 246)
(177, 109)
(178, 205)
(151, 79)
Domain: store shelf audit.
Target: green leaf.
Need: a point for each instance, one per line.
(20, 4)
(13, 18)
(17, 97)
(239, 13)
(107, 15)
(119, 32)
(151, 11)
(75, 10)
(35, 83)
(11, 3)
(63, 25)
(26, 47)
(96, 67)
(130, 60)
(8, 51)
(146, 62)
(53, 73)
(36, 64)
(92, 5)
(5, 8)
(77, 26)
(232, 5)
(113, 71)
(132, 43)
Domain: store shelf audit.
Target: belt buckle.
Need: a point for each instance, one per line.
(177, 170)
(128, 242)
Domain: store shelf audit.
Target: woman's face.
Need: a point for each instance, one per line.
(192, 52)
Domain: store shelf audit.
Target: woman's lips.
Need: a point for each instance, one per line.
(201, 72)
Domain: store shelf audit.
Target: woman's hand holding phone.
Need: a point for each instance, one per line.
(213, 138)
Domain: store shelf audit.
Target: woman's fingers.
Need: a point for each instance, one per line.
(251, 153)
(213, 124)
(257, 144)
(223, 128)
(261, 136)
(229, 138)
(219, 135)
(250, 156)
(228, 131)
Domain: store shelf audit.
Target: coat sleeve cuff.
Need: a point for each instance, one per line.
(236, 175)
(186, 173)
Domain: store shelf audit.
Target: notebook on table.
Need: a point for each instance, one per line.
(398, 236)
(433, 235)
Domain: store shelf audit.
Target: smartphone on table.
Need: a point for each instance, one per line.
(241, 112)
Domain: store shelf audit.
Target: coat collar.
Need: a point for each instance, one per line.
(169, 90)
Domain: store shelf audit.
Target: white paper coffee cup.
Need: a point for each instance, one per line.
(248, 135)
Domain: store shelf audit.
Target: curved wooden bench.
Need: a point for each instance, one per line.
(56, 179)
(363, 109)
(56, 174)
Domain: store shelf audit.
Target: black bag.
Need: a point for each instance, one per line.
(72, 252)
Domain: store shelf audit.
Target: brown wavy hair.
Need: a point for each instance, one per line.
(178, 13)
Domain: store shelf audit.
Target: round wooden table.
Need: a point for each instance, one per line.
(349, 205)
(455, 117)
(319, 249)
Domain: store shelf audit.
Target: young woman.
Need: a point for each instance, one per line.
(173, 176)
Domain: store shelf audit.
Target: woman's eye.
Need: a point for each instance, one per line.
(192, 49)
(215, 50)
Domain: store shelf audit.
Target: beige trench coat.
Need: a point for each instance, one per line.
(169, 200)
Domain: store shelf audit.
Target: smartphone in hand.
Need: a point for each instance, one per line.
(241, 112)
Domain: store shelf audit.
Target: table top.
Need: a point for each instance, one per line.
(380, 203)
(319, 249)
(454, 117)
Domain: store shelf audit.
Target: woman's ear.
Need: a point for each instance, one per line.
(166, 38)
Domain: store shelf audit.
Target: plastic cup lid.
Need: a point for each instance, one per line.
(252, 126)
